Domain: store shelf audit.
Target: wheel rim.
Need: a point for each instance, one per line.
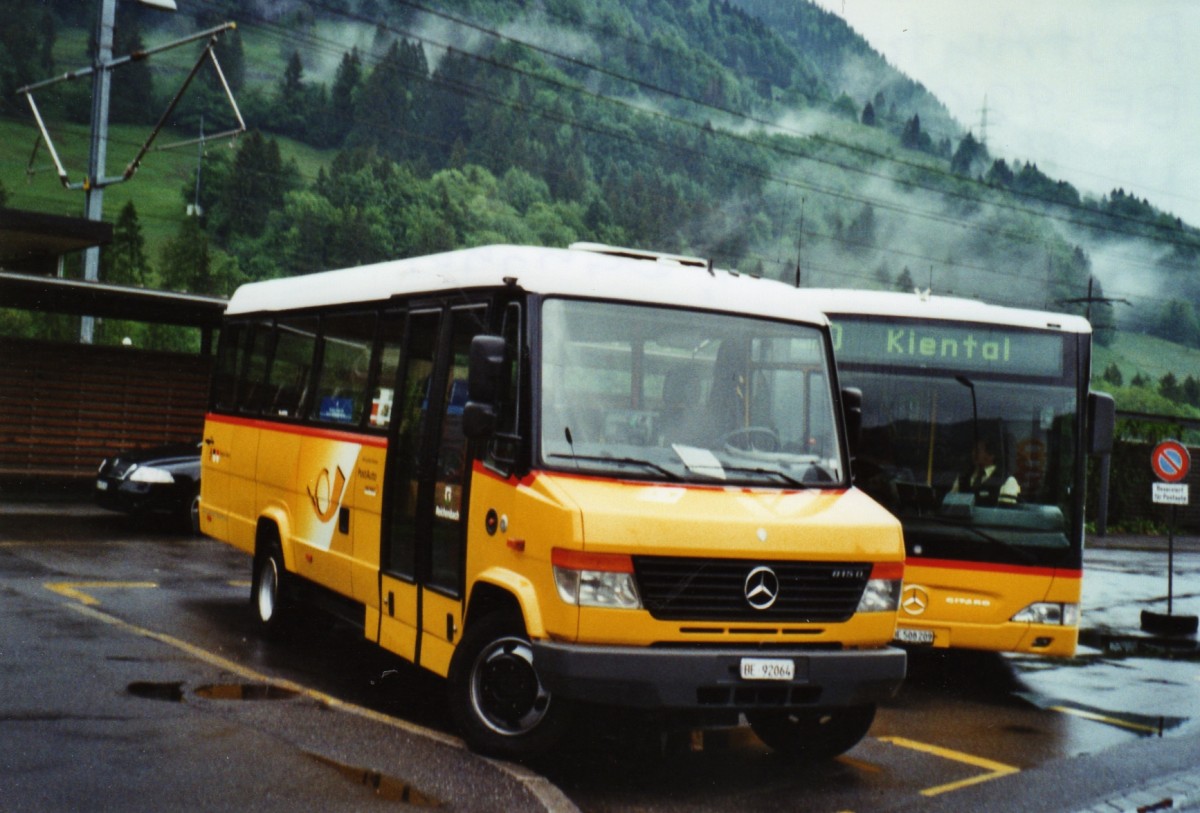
(506, 693)
(268, 589)
(194, 513)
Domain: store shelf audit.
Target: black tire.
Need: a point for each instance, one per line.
(813, 735)
(191, 515)
(268, 587)
(496, 696)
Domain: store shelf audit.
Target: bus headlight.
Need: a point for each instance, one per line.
(595, 579)
(151, 474)
(882, 593)
(1048, 612)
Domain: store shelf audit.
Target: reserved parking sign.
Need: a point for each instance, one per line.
(1170, 461)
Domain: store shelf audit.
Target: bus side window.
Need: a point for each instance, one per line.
(502, 450)
(383, 392)
(229, 353)
(291, 367)
(341, 390)
(252, 391)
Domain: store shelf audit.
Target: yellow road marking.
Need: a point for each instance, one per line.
(858, 764)
(994, 769)
(541, 788)
(66, 589)
(74, 590)
(1101, 718)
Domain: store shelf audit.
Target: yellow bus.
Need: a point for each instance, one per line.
(977, 423)
(560, 477)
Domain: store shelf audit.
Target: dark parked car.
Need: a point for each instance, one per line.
(157, 480)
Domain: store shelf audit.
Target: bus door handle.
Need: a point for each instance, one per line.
(391, 604)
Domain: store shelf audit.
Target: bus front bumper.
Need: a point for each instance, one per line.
(705, 678)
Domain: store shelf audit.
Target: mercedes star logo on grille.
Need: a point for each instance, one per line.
(915, 600)
(762, 587)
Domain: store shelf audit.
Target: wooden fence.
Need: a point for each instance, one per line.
(63, 407)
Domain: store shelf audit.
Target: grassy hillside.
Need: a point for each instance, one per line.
(1135, 353)
(156, 189)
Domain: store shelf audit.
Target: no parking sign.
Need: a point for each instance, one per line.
(1171, 462)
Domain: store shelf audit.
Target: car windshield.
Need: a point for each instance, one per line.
(668, 394)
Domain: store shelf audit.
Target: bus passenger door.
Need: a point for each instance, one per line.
(421, 584)
(444, 551)
(399, 602)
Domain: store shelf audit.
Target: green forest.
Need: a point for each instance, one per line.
(729, 129)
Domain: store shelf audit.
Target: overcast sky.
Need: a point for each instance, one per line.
(1100, 93)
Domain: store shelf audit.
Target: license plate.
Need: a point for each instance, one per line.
(102, 485)
(911, 636)
(768, 669)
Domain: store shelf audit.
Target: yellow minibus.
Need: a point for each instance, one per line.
(560, 477)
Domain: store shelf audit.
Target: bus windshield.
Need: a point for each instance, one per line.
(668, 394)
(969, 436)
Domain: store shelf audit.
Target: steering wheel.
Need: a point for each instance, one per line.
(768, 439)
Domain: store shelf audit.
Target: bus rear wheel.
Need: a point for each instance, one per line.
(496, 696)
(812, 734)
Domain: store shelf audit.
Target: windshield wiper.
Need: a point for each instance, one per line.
(983, 536)
(621, 461)
(782, 475)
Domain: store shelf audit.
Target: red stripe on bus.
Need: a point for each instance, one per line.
(361, 438)
(995, 567)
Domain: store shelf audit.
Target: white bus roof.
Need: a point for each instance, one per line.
(847, 301)
(585, 271)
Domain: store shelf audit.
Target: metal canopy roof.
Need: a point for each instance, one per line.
(29, 292)
(31, 244)
(33, 241)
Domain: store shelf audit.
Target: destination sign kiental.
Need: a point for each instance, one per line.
(971, 347)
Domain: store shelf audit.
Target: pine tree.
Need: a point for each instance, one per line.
(186, 260)
(346, 83)
(868, 115)
(969, 153)
(254, 188)
(911, 137)
(1112, 375)
(390, 108)
(124, 262)
(133, 86)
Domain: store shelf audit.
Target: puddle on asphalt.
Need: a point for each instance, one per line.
(172, 692)
(384, 787)
(244, 691)
(1122, 645)
(1145, 725)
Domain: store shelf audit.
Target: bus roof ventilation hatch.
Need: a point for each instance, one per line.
(641, 254)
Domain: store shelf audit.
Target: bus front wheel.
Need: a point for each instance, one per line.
(813, 735)
(496, 696)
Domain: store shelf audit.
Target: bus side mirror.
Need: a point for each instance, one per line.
(1102, 422)
(484, 375)
(852, 399)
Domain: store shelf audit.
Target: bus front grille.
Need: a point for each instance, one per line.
(681, 589)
